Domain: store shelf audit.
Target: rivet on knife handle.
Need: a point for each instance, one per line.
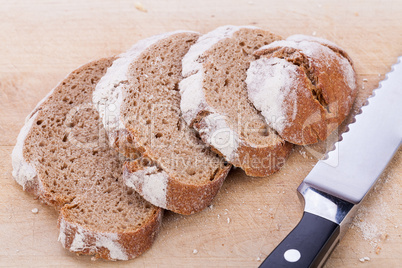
(306, 245)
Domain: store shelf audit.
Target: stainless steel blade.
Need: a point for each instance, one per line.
(358, 160)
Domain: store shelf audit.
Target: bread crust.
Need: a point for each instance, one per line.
(257, 161)
(200, 114)
(322, 87)
(181, 198)
(131, 243)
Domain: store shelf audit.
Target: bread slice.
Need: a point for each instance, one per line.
(62, 156)
(214, 100)
(304, 87)
(139, 101)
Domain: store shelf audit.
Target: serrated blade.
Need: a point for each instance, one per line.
(365, 150)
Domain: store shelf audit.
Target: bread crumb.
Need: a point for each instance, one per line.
(314, 33)
(377, 250)
(366, 258)
(35, 211)
(219, 216)
(384, 236)
(258, 258)
(228, 220)
(211, 206)
(365, 79)
(139, 6)
(195, 251)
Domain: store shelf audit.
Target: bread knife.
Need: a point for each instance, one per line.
(336, 186)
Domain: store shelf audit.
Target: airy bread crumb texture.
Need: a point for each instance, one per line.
(215, 101)
(80, 174)
(151, 113)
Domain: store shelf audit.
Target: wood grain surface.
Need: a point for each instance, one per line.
(42, 41)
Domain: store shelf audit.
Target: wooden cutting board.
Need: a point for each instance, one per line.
(42, 41)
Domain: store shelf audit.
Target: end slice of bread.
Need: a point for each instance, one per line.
(139, 96)
(303, 86)
(214, 100)
(62, 156)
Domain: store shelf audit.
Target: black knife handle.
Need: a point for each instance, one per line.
(306, 245)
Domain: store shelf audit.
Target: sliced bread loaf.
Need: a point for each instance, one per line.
(214, 100)
(63, 158)
(303, 86)
(139, 102)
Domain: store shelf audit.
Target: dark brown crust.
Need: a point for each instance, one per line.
(329, 97)
(261, 162)
(134, 243)
(184, 198)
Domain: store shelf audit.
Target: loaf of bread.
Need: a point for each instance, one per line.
(214, 99)
(62, 156)
(304, 87)
(139, 102)
(160, 126)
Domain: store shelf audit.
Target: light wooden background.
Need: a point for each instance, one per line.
(42, 41)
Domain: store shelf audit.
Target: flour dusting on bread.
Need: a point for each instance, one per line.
(220, 135)
(62, 232)
(314, 47)
(191, 88)
(269, 83)
(192, 97)
(109, 241)
(23, 171)
(192, 62)
(108, 94)
(316, 93)
(150, 182)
